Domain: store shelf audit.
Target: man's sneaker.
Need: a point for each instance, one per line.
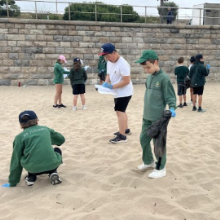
(201, 110)
(157, 174)
(127, 132)
(55, 179)
(74, 108)
(30, 180)
(180, 106)
(118, 139)
(62, 106)
(144, 167)
(56, 106)
(194, 108)
(84, 107)
(184, 104)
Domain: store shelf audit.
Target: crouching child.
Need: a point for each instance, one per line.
(33, 151)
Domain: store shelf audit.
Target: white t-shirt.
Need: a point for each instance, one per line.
(116, 71)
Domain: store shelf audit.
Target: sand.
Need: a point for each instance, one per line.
(101, 180)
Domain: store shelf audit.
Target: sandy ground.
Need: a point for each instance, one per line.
(101, 180)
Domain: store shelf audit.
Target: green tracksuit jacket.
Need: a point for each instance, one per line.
(77, 76)
(197, 74)
(181, 72)
(102, 65)
(58, 73)
(32, 150)
(159, 93)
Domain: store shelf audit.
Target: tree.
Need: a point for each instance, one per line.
(86, 12)
(13, 9)
(130, 15)
(163, 11)
(10, 2)
(161, 5)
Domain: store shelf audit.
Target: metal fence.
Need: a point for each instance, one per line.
(148, 14)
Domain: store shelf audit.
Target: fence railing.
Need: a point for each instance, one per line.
(147, 14)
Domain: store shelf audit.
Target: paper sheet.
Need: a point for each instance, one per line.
(103, 90)
(65, 75)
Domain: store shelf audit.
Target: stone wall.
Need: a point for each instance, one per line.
(29, 48)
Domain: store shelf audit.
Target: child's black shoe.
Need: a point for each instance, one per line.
(61, 106)
(30, 180)
(56, 106)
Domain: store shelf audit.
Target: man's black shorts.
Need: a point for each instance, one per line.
(78, 89)
(198, 90)
(181, 88)
(122, 103)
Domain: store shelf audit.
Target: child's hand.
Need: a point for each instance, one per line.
(107, 85)
(6, 185)
(173, 113)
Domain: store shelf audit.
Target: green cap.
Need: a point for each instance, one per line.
(147, 55)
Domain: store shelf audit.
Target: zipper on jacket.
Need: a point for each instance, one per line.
(151, 81)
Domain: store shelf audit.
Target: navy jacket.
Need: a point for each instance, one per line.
(197, 74)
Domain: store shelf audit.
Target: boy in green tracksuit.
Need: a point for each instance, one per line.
(33, 151)
(78, 78)
(181, 72)
(102, 69)
(198, 73)
(159, 93)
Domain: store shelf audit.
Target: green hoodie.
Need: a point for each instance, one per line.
(77, 76)
(58, 73)
(159, 93)
(32, 150)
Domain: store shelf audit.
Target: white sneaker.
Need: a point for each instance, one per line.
(84, 107)
(144, 167)
(55, 179)
(157, 174)
(74, 108)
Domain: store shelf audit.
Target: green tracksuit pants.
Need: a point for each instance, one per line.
(147, 155)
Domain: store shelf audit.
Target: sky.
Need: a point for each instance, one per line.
(50, 5)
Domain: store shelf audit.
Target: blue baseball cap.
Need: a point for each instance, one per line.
(107, 48)
(76, 60)
(27, 115)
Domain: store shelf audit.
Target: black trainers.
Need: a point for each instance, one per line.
(194, 108)
(180, 106)
(184, 104)
(56, 106)
(118, 139)
(127, 132)
(62, 106)
(30, 180)
(201, 110)
(55, 179)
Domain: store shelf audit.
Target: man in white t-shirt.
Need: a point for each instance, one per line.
(118, 78)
